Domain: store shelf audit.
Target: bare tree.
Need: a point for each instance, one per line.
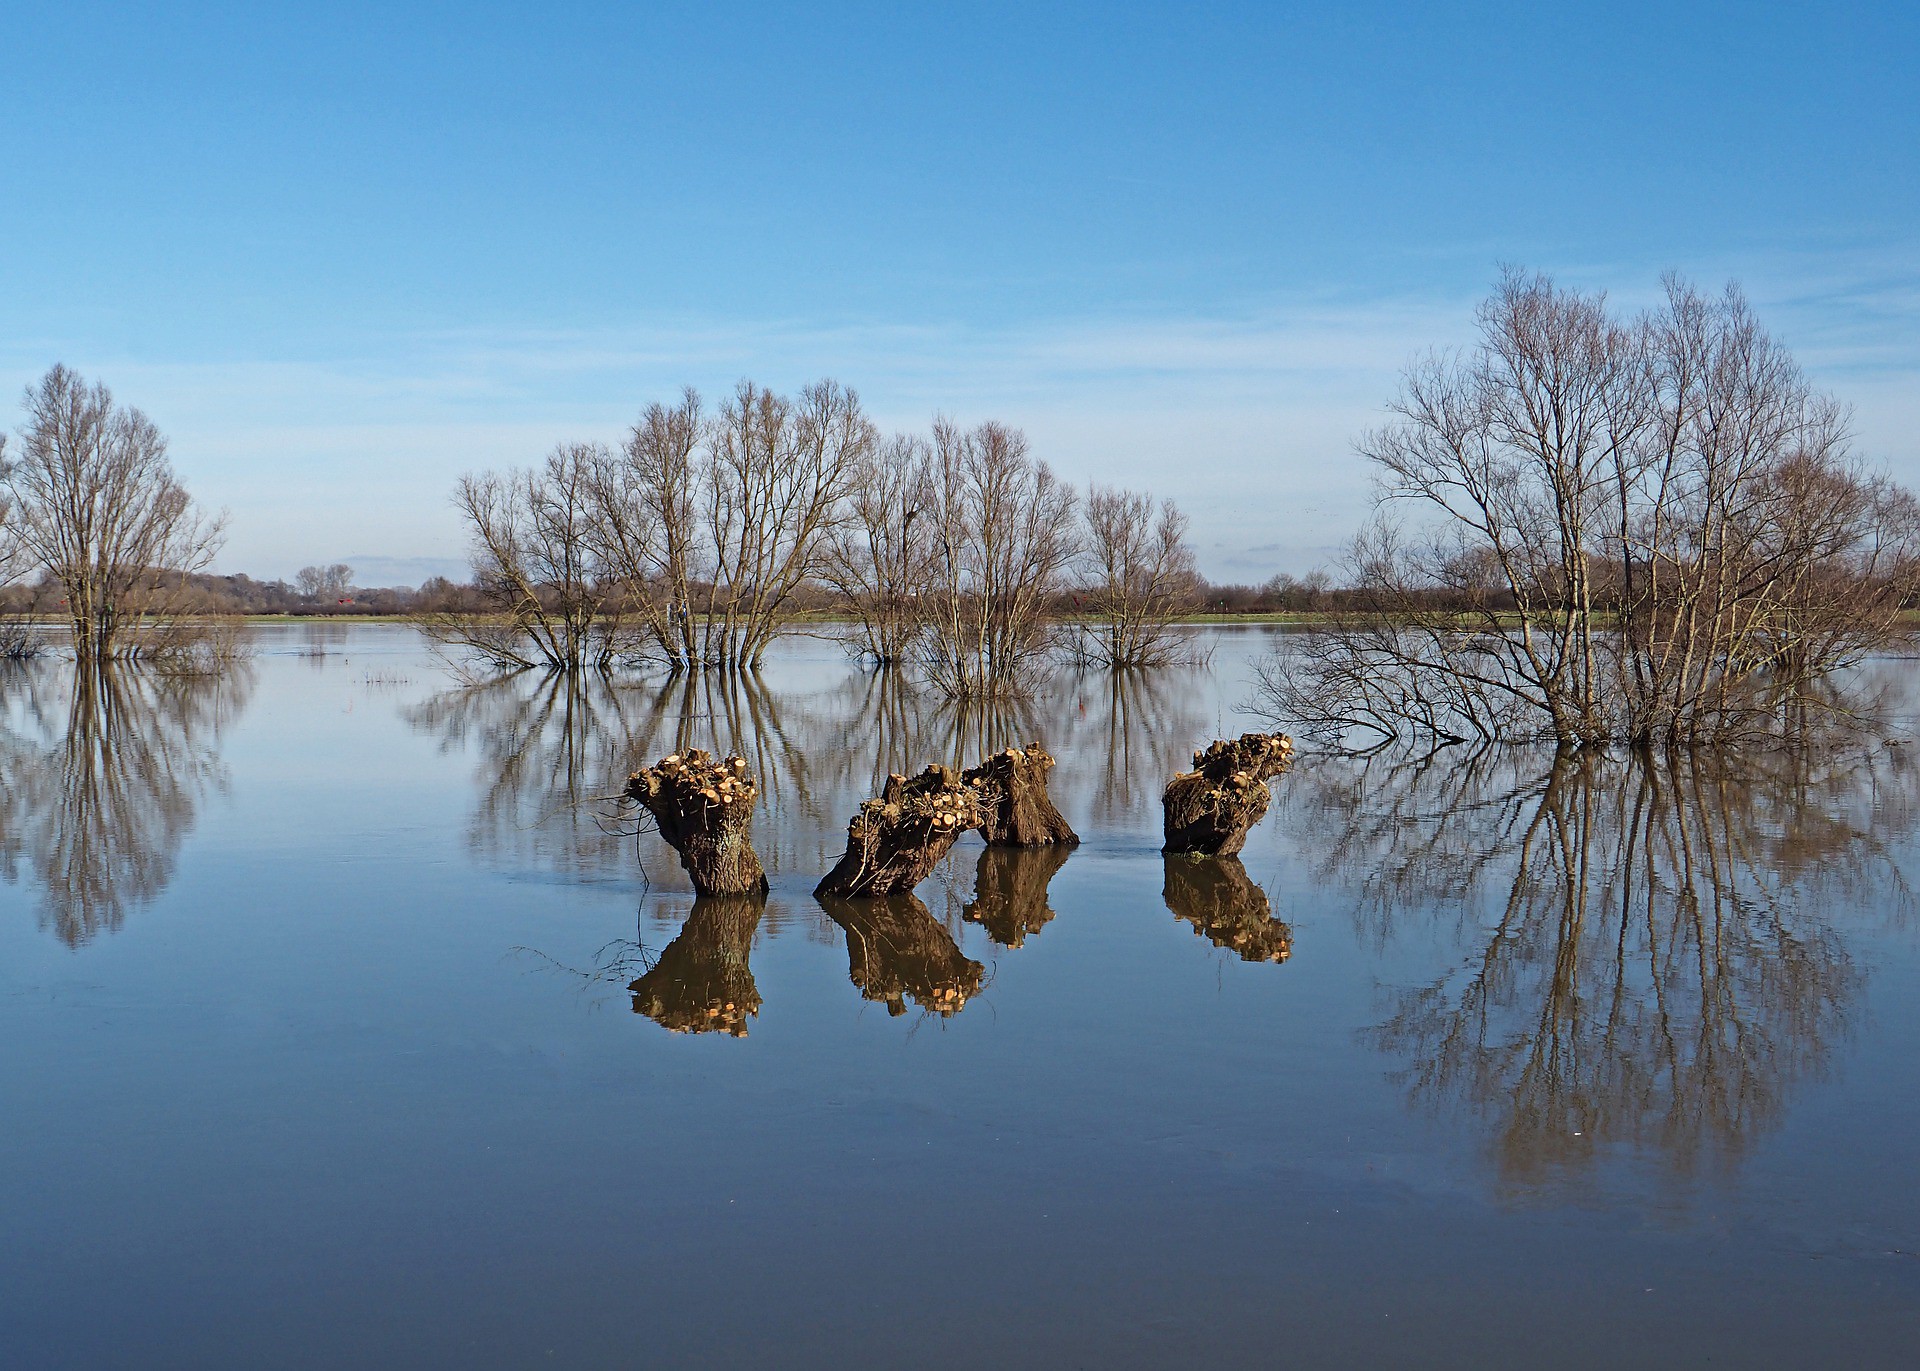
(536, 564)
(95, 505)
(776, 473)
(324, 582)
(648, 529)
(880, 558)
(1003, 535)
(1650, 532)
(1139, 578)
(711, 527)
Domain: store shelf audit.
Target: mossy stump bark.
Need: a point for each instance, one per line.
(897, 951)
(1210, 808)
(1226, 905)
(702, 982)
(704, 809)
(1015, 808)
(1010, 891)
(894, 842)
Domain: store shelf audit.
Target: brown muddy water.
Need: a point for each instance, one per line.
(346, 1025)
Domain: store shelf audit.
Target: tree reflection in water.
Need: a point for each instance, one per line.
(1135, 729)
(1010, 891)
(102, 771)
(897, 951)
(701, 982)
(1650, 960)
(556, 749)
(1223, 903)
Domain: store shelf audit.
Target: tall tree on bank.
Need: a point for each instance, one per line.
(96, 506)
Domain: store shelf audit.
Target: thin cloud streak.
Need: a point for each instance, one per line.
(1249, 420)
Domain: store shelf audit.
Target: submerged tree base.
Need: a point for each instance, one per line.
(704, 809)
(1015, 807)
(894, 842)
(1211, 808)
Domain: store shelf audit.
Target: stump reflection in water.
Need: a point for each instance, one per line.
(1224, 903)
(702, 981)
(1010, 891)
(897, 951)
(1646, 968)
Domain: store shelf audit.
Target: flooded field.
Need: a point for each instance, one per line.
(349, 1021)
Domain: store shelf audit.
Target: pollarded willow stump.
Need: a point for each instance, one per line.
(895, 842)
(1223, 903)
(1210, 808)
(705, 812)
(1015, 807)
(1010, 891)
(897, 951)
(701, 982)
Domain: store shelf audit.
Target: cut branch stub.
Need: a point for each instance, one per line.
(897, 951)
(701, 982)
(1222, 902)
(1010, 891)
(1210, 808)
(894, 842)
(705, 812)
(1015, 807)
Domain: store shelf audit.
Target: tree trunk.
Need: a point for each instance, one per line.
(1210, 808)
(894, 842)
(1010, 891)
(705, 812)
(1221, 901)
(897, 951)
(1015, 806)
(702, 982)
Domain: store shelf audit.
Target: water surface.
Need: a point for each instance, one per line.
(348, 1022)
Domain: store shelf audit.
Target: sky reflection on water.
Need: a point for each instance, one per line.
(338, 965)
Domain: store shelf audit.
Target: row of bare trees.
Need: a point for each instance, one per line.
(89, 500)
(1645, 530)
(702, 537)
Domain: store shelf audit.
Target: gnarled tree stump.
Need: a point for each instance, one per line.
(702, 982)
(1016, 810)
(1222, 902)
(1010, 891)
(705, 812)
(897, 951)
(1210, 808)
(894, 842)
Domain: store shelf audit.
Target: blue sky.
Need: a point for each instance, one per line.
(342, 253)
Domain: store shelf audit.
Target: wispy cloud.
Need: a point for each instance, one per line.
(1247, 418)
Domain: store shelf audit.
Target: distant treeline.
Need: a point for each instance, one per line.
(242, 594)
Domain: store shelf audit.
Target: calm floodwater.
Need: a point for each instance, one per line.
(320, 1049)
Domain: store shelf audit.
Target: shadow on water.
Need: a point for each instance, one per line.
(102, 773)
(1646, 958)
